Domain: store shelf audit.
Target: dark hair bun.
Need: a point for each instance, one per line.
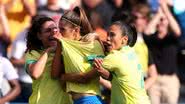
(133, 33)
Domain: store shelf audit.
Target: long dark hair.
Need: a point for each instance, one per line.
(127, 30)
(77, 17)
(33, 43)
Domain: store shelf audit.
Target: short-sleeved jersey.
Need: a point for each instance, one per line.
(128, 80)
(45, 89)
(76, 55)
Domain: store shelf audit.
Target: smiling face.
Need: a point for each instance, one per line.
(115, 39)
(46, 34)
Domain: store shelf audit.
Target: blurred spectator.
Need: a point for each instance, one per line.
(179, 12)
(101, 7)
(51, 9)
(141, 15)
(96, 22)
(163, 45)
(8, 72)
(18, 14)
(4, 36)
(18, 60)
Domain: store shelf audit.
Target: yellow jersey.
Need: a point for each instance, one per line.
(128, 80)
(45, 89)
(75, 55)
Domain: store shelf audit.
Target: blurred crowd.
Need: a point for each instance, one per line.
(160, 44)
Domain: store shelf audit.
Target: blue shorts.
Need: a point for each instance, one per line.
(89, 100)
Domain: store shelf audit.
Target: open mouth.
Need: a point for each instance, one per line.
(52, 38)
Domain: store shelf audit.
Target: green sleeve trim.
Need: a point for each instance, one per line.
(91, 58)
(27, 63)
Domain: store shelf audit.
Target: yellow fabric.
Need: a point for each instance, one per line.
(127, 82)
(45, 89)
(18, 18)
(142, 51)
(75, 55)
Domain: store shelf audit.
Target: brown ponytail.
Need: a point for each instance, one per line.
(77, 17)
(85, 25)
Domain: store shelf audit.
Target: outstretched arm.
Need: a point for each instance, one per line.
(79, 77)
(86, 77)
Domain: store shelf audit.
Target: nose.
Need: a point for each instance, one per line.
(54, 30)
(108, 38)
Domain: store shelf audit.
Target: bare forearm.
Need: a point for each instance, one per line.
(151, 27)
(105, 74)
(56, 64)
(172, 21)
(17, 62)
(4, 21)
(149, 82)
(91, 75)
(105, 83)
(80, 77)
(37, 69)
(174, 25)
(12, 94)
(72, 77)
(152, 76)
